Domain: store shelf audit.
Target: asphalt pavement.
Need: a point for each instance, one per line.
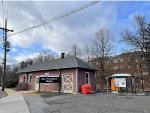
(92, 103)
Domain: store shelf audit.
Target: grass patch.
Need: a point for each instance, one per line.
(46, 94)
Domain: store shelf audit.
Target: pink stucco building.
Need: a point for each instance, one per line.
(73, 72)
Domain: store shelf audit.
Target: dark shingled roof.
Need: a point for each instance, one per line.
(68, 62)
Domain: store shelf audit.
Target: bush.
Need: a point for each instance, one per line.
(23, 87)
(11, 84)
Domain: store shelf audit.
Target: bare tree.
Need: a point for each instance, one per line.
(45, 55)
(139, 37)
(75, 51)
(23, 64)
(101, 49)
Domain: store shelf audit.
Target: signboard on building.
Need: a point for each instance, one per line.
(120, 82)
(49, 80)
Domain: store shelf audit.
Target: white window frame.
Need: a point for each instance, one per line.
(30, 78)
(88, 77)
(115, 68)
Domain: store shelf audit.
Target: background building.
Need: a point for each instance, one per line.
(130, 62)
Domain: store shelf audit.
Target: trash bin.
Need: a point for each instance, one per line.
(86, 89)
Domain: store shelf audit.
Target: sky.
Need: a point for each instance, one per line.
(59, 36)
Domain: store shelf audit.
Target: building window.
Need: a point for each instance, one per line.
(107, 62)
(121, 60)
(115, 68)
(115, 61)
(121, 67)
(97, 63)
(30, 78)
(129, 67)
(37, 80)
(87, 78)
(145, 73)
(136, 60)
(144, 67)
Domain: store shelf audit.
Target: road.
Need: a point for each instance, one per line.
(94, 103)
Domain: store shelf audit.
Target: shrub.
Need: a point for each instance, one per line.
(11, 84)
(22, 86)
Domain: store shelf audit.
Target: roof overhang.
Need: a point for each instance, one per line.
(121, 75)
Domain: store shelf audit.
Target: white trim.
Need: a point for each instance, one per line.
(36, 84)
(46, 73)
(76, 80)
(30, 76)
(72, 91)
(52, 75)
(88, 77)
(121, 75)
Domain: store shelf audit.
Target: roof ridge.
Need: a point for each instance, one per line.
(67, 62)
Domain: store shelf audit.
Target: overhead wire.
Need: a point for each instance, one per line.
(59, 17)
(60, 7)
(20, 11)
(53, 12)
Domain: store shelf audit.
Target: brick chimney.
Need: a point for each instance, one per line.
(62, 55)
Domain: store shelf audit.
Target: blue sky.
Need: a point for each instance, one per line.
(60, 35)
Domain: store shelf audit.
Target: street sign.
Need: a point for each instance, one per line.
(49, 80)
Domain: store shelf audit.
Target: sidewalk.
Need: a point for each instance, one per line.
(13, 103)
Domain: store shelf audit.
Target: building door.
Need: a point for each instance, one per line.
(67, 83)
(37, 83)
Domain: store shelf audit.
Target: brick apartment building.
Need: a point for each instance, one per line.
(129, 62)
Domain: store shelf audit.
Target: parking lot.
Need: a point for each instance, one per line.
(92, 103)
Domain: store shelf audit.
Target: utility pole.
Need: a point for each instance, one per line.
(6, 49)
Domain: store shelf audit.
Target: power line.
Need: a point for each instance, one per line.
(60, 7)
(59, 17)
(53, 12)
(20, 11)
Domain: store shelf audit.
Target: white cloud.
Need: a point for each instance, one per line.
(59, 36)
(13, 49)
(25, 56)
